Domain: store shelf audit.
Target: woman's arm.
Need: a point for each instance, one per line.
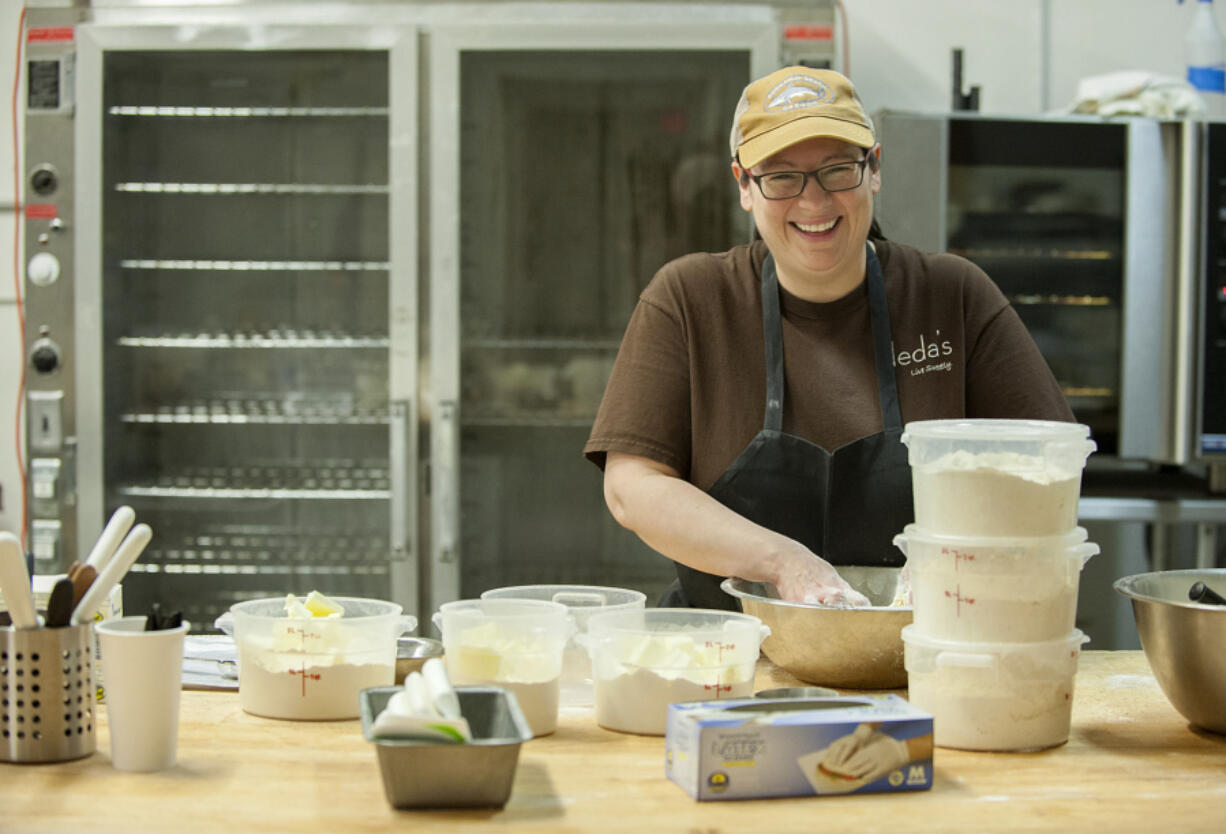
(677, 519)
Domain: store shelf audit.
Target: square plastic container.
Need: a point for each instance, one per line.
(436, 774)
(978, 589)
(993, 696)
(516, 644)
(996, 477)
(581, 601)
(642, 661)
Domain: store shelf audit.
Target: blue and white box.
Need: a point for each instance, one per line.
(752, 748)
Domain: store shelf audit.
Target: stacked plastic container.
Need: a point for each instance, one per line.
(994, 559)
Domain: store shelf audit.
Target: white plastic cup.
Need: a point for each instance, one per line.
(144, 673)
(996, 477)
(516, 644)
(993, 696)
(994, 589)
(582, 602)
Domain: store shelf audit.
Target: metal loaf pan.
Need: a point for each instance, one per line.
(426, 774)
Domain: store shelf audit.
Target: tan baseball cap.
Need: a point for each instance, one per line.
(794, 104)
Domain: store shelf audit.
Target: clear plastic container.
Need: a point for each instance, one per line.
(994, 589)
(996, 477)
(993, 696)
(513, 643)
(642, 661)
(581, 601)
(312, 669)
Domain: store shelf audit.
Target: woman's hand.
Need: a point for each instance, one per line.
(803, 576)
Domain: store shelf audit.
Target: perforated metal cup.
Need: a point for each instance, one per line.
(46, 694)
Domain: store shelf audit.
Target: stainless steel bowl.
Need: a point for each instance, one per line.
(849, 648)
(1183, 640)
(412, 653)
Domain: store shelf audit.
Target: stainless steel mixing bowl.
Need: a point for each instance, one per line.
(1183, 640)
(850, 648)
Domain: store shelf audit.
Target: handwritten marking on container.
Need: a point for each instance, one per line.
(959, 556)
(305, 674)
(957, 595)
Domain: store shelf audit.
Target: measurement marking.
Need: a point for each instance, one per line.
(957, 595)
(305, 674)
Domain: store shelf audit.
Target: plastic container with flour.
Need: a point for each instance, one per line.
(993, 696)
(997, 477)
(313, 668)
(642, 661)
(994, 589)
(516, 644)
(582, 603)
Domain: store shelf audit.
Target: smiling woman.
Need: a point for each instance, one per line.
(751, 424)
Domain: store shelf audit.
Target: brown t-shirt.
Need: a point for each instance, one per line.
(688, 388)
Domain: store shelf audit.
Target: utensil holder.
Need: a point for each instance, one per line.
(46, 694)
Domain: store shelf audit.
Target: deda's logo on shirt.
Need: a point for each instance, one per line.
(929, 357)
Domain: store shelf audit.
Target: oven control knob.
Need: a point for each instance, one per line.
(44, 180)
(43, 269)
(45, 357)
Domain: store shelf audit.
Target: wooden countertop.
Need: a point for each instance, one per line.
(1131, 763)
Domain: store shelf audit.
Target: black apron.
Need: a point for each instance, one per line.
(846, 505)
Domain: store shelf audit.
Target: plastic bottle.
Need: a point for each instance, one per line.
(1205, 50)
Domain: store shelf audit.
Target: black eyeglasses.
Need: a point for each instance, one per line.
(784, 185)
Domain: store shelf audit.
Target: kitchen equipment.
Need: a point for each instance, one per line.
(47, 680)
(129, 551)
(996, 477)
(412, 653)
(851, 648)
(312, 668)
(60, 604)
(15, 583)
(993, 696)
(476, 774)
(1127, 311)
(581, 601)
(280, 162)
(108, 542)
(513, 643)
(644, 660)
(1200, 592)
(1182, 640)
(994, 589)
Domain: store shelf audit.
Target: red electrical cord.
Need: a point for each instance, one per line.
(21, 314)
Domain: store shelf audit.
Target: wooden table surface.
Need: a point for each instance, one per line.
(1131, 764)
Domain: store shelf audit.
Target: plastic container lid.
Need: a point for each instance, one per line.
(581, 601)
(1005, 662)
(643, 637)
(1028, 443)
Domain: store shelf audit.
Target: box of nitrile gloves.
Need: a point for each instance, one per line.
(753, 748)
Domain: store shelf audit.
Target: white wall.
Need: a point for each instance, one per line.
(899, 58)
(10, 339)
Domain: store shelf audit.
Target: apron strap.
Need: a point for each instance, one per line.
(773, 331)
(879, 319)
(879, 316)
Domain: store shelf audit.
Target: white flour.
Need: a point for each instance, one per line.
(1004, 606)
(539, 703)
(1033, 715)
(995, 494)
(297, 689)
(637, 702)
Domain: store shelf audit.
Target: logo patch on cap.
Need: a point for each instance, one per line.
(794, 92)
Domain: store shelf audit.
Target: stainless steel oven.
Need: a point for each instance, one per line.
(328, 292)
(1107, 237)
